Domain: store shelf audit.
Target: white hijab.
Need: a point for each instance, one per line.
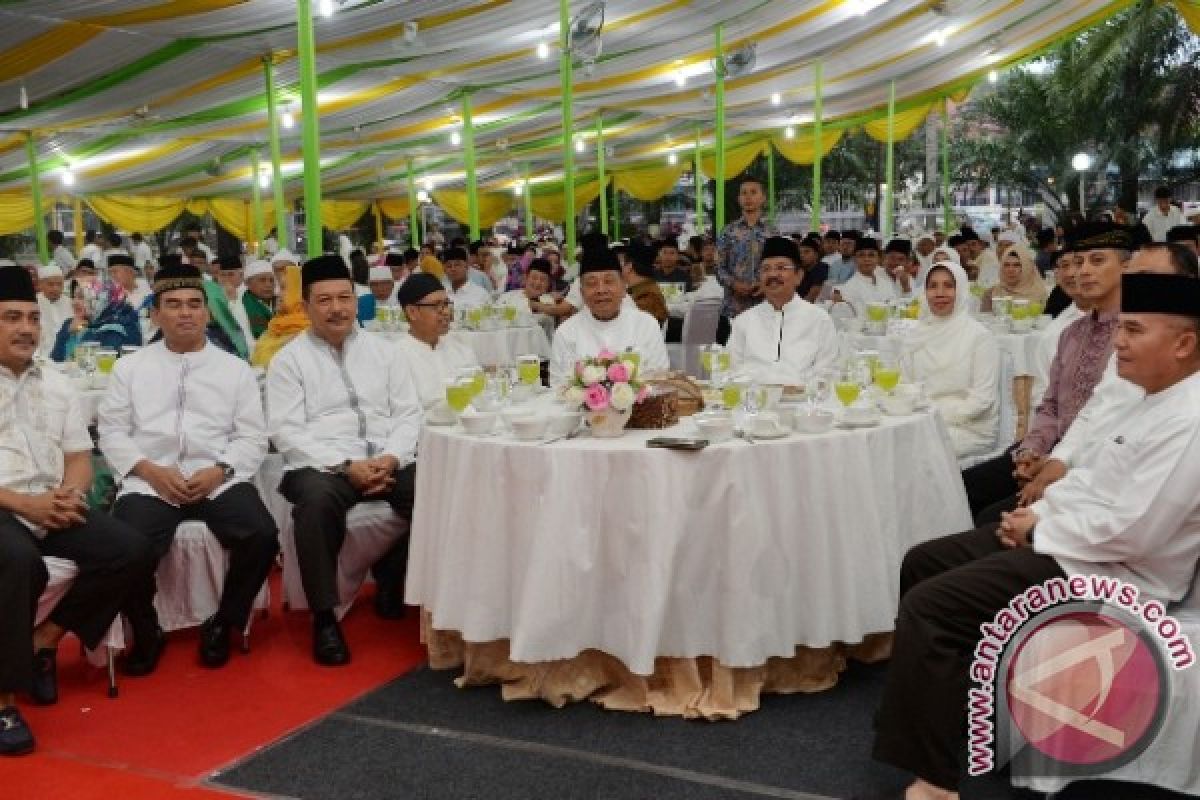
(934, 328)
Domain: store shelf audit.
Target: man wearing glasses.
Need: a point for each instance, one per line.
(433, 357)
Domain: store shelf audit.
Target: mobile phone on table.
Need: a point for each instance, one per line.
(677, 443)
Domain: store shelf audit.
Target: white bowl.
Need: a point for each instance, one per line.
(478, 423)
(564, 423)
(813, 420)
(716, 426)
(529, 428)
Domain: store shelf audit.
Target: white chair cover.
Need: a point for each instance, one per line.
(1006, 431)
(371, 529)
(699, 329)
(62, 575)
(191, 577)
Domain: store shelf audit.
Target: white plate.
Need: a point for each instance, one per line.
(765, 437)
(440, 422)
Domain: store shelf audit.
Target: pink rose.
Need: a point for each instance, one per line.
(606, 355)
(641, 395)
(618, 372)
(596, 398)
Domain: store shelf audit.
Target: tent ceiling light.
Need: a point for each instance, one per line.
(264, 180)
(543, 51)
(993, 76)
(68, 178)
(776, 98)
(422, 196)
(789, 132)
(455, 138)
(579, 145)
(287, 119)
(24, 98)
(939, 36)
(672, 159)
(428, 184)
(326, 8)
(680, 79)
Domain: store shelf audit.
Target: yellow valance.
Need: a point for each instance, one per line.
(549, 202)
(341, 214)
(16, 211)
(737, 159)
(802, 148)
(394, 207)
(906, 122)
(142, 214)
(493, 206)
(649, 183)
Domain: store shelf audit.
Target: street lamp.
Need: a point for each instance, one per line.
(1081, 163)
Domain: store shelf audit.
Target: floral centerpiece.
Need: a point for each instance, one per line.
(604, 388)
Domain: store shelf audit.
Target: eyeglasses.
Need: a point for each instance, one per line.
(440, 306)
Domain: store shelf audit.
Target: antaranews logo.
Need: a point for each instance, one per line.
(1072, 677)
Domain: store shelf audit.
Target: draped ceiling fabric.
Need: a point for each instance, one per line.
(163, 100)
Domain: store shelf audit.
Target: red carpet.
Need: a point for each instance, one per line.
(170, 729)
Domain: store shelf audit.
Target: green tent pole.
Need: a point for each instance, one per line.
(414, 236)
(947, 201)
(283, 219)
(616, 212)
(35, 191)
(600, 174)
(719, 144)
(311, 131)
(527, 190)
(469, 158)
(698, 182)
(565, 68)
(770, 183)
(887, 207)
(818, 144)
(256, 203)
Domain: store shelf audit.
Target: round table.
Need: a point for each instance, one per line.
(604, 548)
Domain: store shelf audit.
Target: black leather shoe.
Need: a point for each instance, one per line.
(329, 648)
(389, 603)
(45, 679)
(214, 642)
(147, 650)
(15, 737)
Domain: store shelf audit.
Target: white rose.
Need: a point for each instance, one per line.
(593, 374)
(573, 397)
(632, 367)
(622, 396)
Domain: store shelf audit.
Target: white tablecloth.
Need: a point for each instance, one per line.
(739, 551)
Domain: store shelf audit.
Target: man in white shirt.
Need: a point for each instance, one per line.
(1133, 515)
(781, 339)
(45, 475)
(869, 284)
(987, 266)
(143, 256)
(182, 427)
(344, 413)
(1163, 215)
(434, 357)
(59, 252)
(125, 274)
(528, 299)
(196, 234)
(606, 322)
(54, 305)
(465, 294)
(92, 250)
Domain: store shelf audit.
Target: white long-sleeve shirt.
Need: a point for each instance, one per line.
(326, 407)
(187, 410)
(63, 258)
(1159, 223)
(1046, 347)
(432, 367)
(780, 346)
(583, 336)
(1113, 399)
(469, 295)
(1133, 512)
(861, 290)
(54, 314)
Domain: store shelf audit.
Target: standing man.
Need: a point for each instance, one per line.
(739, 250)
(143, 256)
(344, 414)
(1163, 215)
(182, 426)
(59, 252)
(92, 250)
(45, 474)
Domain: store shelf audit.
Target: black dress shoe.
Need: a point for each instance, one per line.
(45, 680)
(15, 737)
(329, 648)
(147, 650)
(214, 642)
(389, 603)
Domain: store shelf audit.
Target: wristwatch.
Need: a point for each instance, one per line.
(229, 471)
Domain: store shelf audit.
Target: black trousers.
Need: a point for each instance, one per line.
(948, 588)
(320, 502)
(991, 487)
(110, 558)
(241, 523)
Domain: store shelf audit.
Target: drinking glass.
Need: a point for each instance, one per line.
(510, 314)
(85, 357)
(848, 387)
(478, 380)
(105, 359)
(1036, 309)
(887, 373)
(1019, 309)
(475, 318)
(460, 390)
(635, 357)
(529, 370)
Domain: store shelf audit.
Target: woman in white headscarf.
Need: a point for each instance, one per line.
(957, 360)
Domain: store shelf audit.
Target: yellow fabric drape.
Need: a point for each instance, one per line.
(493, 206)
(1190, 11)
(737, 159)
(648, 184)
(549, 202)
(197, 206)
(906, 122)
(136, 212)
(394, 207)
(16, 211)
(341, 214)
(802, 148)
(233, 215)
